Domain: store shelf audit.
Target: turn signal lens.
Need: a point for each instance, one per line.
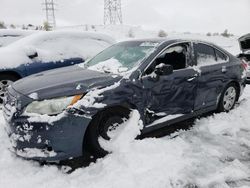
(244, 64)
(75, 99)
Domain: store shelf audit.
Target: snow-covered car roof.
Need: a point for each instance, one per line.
(8, 36)
(54, 46)
(50, 35)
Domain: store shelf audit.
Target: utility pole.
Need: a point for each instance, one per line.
(50, 13)
(112, 12)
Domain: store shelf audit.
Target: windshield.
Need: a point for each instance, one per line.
(121, 57)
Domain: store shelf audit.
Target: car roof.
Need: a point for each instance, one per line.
(173, 40)
(45, 35)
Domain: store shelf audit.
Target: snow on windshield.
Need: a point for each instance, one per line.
(121, 58)
(54, 46)
(110, 65)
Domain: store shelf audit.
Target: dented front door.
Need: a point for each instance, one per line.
(170, 95)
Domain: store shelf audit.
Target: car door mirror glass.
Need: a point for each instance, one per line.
(163, 69)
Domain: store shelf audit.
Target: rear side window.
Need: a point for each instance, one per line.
(220, 57)
(205, 55)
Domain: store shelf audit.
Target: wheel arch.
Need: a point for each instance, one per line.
(123, 106)
(238, 87)
(10, 72)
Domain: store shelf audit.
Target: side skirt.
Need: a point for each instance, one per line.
(147, 130)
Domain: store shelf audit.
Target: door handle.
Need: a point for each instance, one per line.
(192, 78)
(224, 69)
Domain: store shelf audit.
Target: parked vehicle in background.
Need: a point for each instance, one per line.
(63, 114)
(8, 36)
(244, 42)
(47, 50)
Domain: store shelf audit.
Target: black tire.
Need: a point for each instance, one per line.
(99, 128)
(5, 81)
(224, 106)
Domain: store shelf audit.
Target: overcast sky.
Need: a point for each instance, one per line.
(171, 15)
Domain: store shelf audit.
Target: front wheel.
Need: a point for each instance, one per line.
(106, 125)
(228, 98)
(5, 81)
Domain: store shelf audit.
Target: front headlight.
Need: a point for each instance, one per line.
(52, 106)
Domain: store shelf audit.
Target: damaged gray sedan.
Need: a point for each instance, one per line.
(61, 114)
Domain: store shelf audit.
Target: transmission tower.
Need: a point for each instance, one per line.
(112, 12)
(50, 13)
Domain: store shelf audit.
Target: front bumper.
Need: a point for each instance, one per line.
(47, 139)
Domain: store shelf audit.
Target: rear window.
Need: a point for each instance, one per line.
(220, 57)
(205, 54)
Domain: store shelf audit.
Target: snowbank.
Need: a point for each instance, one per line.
(214, 153)
(125, 32)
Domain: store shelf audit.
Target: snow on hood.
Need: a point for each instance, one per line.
(53, 46)
(13, 57)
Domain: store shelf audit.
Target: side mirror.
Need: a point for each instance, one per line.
(31, 52)
(163, 69)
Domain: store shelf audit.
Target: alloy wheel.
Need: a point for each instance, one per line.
(229, 98)
(3, 86)
(111, 127)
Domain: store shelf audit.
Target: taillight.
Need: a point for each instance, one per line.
(244, 64)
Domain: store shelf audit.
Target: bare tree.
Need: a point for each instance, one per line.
(12, 26)
(2, 25)
(131, 33)
(162, 33)
(225, 33)
(46, 26)
(209, 34)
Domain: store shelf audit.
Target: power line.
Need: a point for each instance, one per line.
(112, 12)
(50, 12)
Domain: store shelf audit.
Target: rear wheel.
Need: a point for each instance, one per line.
(228, 98)
(5, 81)
(105, 125)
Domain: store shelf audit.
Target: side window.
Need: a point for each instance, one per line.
(176, 56)
(205, 55)
(220, 57)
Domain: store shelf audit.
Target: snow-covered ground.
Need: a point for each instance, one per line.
(215, 152)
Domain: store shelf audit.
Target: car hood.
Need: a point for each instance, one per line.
(244, 42)
(61, 82)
